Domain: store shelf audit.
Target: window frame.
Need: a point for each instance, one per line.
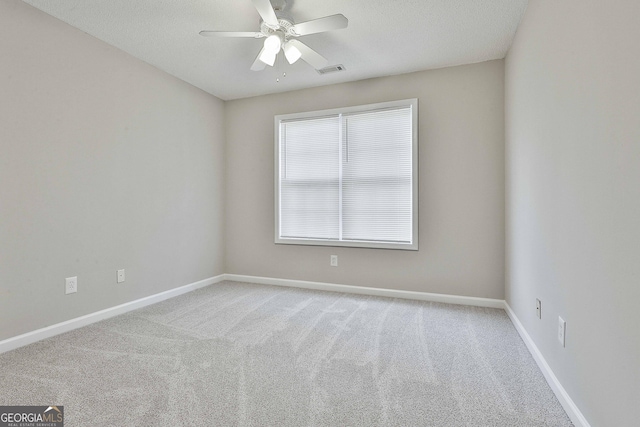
(413, 246)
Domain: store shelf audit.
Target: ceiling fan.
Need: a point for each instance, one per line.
(280, 32)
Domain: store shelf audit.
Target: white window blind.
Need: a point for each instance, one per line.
(348, 177)
(310, 185)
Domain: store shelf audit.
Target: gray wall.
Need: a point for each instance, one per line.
(573, 196)
(461, 120)
(105, 163)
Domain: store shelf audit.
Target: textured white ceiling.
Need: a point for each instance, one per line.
(384, 37)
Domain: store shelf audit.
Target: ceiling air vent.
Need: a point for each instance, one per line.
(331, 69)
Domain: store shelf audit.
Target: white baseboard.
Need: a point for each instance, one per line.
(362, 290)
(565, 400)
(78, 322)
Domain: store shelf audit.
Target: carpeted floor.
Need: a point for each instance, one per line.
(238, 354)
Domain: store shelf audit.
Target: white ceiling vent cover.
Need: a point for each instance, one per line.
(331, 69)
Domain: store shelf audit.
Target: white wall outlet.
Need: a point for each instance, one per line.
(71, 285)
(120, 276)
(538, 308)
(334, 260)
(562, 329)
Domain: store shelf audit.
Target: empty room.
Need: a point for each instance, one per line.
(320, 213)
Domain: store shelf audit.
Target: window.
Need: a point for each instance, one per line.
(348, 177)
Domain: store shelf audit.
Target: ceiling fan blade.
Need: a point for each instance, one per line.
(328, 23)
(266, 12)
(309, 55)
(248, 34)
(258, 65)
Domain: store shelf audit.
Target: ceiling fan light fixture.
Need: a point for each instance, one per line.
(292, 53)
(268, 57)
(272, 44)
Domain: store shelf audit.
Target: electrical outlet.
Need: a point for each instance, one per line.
(334, 260)
(562, 329)
(71, 285)
(120, 276)
(538, 308)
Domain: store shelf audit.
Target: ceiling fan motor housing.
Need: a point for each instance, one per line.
(285, 29)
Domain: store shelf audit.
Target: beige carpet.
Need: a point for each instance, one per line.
(237, 354)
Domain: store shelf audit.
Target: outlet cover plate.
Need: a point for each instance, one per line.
(71, 285)
(120, 276)
(334, 260)
(538, 308)
(562, 329)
